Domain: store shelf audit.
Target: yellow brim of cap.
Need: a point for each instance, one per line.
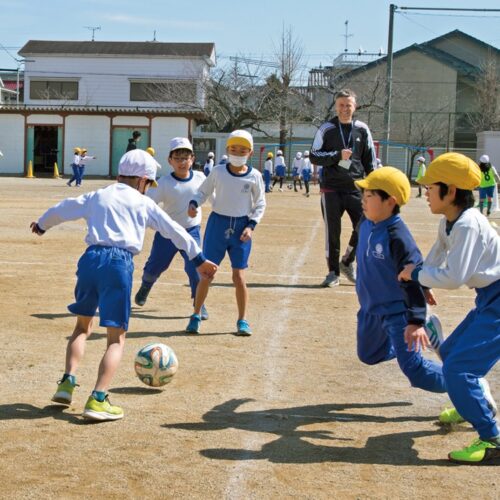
(239, 141)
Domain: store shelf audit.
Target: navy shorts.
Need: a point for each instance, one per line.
(486, 192)
(105, 283)
(223, 234)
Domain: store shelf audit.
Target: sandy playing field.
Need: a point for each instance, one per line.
(288, 412)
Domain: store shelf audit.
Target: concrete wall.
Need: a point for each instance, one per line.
(489, 143)
(12, 144)
(162, 131)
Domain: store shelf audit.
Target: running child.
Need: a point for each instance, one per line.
(81, 166)
(268, 171)
(174, 192)
(74, 166)
(297, 170)
(238, 207)
(466, 252)
(279, 169)
(117, 217)
(488, 185)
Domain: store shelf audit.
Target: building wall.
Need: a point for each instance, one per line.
(105, 81)
(12, 144)
(162, 131)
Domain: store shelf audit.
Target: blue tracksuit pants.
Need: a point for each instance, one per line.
(162, 253)
(469, 353)
(381, 338)
(267, 180)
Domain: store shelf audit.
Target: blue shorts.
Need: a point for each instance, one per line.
(223, 234)
(280, 171)
(105, 282)
(486, 192)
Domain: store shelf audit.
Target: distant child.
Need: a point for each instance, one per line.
(117, 217)
(238, 207)
(209, 164)
(391, 311)
(174, 192)
(488, 185)
(420, 173)
(84, 158)
(307, 171)
(132, 143)
(466, 252)
(268, 171)
(297, 170)
(279, 169)
(223, 160)
(74, 166)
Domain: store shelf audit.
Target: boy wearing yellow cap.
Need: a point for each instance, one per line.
(467, 252)
(238, 207)
(389, 309)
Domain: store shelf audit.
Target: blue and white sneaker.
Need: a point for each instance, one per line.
(194, 324)
(434, 331)
(204, 313)
(243, 328)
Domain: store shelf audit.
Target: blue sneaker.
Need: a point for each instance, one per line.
(203, 313)
(243, 328)
(194, 324)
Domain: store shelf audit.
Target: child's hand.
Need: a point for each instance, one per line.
(346, 154)
(192, 211)
(246, 234)
(405, 274)
(416, 338)
(430, 298)
(207, 270)
(35, 228)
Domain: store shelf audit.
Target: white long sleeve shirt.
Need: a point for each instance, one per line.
(174, 195)
(469, 255)
(236, 195)
(76, 159)
(118, 216)
(268, 166)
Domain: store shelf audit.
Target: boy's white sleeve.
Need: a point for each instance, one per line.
(437, 254)
(259, 200)
(68, 209)
(495, 174)
(171, 230)
(466, 248)
(156, 194)
(206, 189)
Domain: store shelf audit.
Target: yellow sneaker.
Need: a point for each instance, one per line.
(101, 411)
(478, 452)
(450, 416)
(64, 392)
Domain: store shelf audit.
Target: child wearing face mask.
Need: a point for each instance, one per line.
(238, 207)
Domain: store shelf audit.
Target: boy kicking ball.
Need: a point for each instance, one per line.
(466, 252)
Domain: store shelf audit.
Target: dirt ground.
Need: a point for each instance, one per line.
(287, 413)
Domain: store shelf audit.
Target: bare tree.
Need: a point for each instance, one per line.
(487, 116)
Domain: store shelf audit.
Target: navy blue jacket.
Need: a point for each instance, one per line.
(382, 252)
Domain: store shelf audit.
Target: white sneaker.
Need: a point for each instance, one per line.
(348, 271)
(434, 331)
(331, 280)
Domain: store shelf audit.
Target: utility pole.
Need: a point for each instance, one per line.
(347, 35)
(388, 88)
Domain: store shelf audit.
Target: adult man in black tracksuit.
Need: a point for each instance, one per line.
(344, 147)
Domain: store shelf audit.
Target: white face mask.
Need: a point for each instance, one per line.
(237, 161)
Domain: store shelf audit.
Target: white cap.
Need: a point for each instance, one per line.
(379, 161)
(241, 138)
(138, 163)
(421, 158)
(224, 157)
(180, 143)
(484, 159)
(279, 152)
(306, 153)
(298, 155)
(210, 155)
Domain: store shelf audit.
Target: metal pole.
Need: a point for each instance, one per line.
(388, 88)
(17, 86)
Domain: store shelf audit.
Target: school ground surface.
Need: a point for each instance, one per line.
(288, 412)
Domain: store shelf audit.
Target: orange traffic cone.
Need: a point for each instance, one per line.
(29, 174)
(56, 172)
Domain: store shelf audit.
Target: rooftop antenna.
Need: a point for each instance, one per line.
(347, 35)
(93, 29)
(154, 36)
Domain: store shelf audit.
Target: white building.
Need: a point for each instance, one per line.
(95, 94)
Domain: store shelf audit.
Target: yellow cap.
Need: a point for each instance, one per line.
(151, 151)
(453, 168)
(240, 138)
(270, 155)
(77, 150)
(388, 179)
(83, 150)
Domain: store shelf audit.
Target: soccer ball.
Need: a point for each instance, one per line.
(289, 186)
(156, 364)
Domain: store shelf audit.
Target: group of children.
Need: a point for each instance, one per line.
(393, 281)
(80, 158)
(302, 170)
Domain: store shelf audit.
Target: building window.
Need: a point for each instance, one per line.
(173, 91)
(54, 89)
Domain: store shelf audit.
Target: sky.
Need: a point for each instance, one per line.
(250, 29)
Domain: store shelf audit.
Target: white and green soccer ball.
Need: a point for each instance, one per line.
(156, 364)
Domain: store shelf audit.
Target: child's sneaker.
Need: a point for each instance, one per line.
(194, 324)
(101, 411)
(348, 271)
(451, 415)
(203, 313)
(243, 328)
(64, 392)
(434, 331)
(142, 295)
(478, 452)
